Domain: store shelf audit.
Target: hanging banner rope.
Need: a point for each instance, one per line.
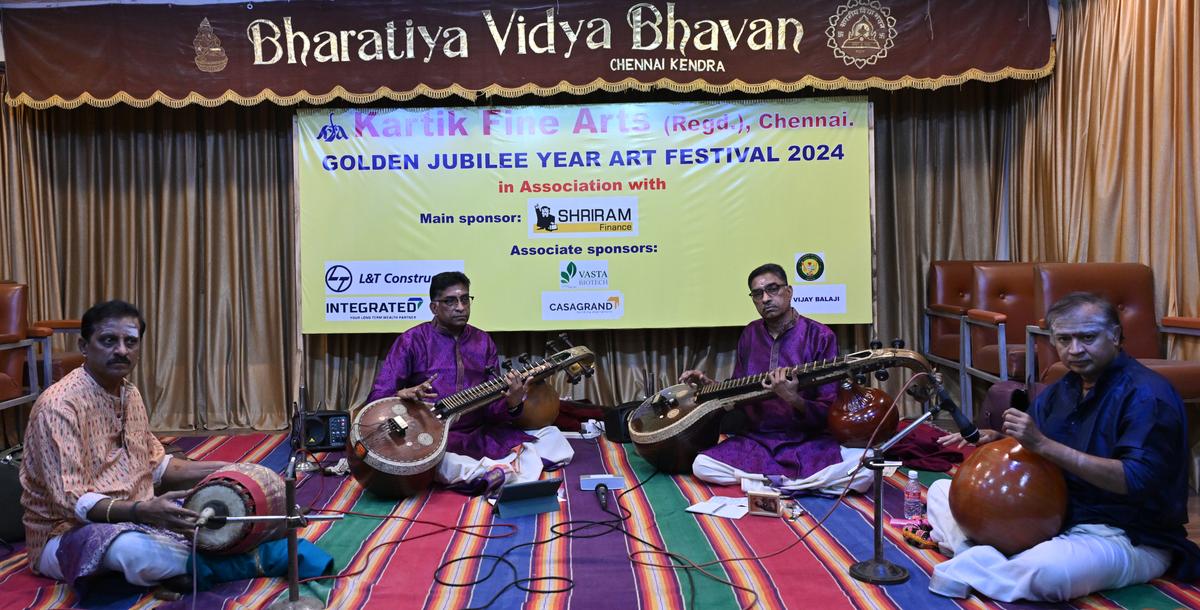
(364, 50)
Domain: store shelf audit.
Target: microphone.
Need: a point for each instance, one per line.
(205, 515)
(602, 496)
(966, 427)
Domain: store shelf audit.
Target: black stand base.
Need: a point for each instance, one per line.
(879, 572)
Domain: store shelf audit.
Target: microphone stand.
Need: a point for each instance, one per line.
(878, 570)
(294, 522)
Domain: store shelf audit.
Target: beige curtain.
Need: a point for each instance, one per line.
(185, 213)
(1107, 162)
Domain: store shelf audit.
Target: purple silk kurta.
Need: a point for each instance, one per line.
(459, 363)
(778, 440)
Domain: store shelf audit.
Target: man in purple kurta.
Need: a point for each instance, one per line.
(438, 358)
(784, 439)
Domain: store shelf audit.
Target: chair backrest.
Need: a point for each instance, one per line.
(949, 283)
(14, 319)
(1005, 288)
(1128, 286)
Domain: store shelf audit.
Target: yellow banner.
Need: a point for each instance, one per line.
(600, 216)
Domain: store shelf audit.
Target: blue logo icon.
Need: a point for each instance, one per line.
(338, 278)
(332, 132)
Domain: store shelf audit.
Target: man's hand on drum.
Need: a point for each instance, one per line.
(1020, 425)
(423, 391)
(695, 377)
(165, 512)
(956, 440)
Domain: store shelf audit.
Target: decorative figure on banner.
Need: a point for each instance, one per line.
(545, 219)
(862, 36)
(210, 57)
(332, 131)
(861, 32)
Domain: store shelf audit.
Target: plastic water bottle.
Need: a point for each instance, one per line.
(913, 507)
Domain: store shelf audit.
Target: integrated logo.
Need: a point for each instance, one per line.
(583, 217)
(332, 131)
(583, 305)
(338, 278)
(377, 308)
(582, 274)
(861, 32)
(810, 266)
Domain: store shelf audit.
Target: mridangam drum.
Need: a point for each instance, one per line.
(239, 490)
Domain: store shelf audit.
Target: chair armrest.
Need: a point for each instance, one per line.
(985, 316)
(9, 338)
(39, 332)
(1179, 325)
(954, 310)
(59, 324)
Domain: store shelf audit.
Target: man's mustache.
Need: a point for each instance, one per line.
(119, 360)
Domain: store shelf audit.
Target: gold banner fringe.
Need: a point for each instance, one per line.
(267, 95)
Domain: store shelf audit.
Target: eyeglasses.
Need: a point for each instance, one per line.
(464, 300)
(769, 289)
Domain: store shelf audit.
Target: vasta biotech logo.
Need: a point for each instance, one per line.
(555, 218)
(581, 305)
(582, 274)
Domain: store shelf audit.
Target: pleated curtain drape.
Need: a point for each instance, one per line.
(190, 214)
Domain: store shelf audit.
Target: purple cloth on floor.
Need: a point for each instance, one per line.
(778, 440)
(921, 451)
(81, 550)
(459, 363)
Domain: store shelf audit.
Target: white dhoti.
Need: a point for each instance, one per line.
(523, 464)
(830, 480)
(144, 559)
(1082, 560)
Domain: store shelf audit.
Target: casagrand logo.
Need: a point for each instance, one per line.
(582, 274)
(581, 305)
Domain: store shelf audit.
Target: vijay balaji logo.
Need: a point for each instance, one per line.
(810, 266)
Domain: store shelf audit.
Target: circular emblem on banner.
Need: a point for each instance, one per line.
(861, 32)
(338, 278)
(810, 267)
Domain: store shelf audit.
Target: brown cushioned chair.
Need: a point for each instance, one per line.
(1130, 288)
(17, 348)
(950, 290)
(1003, 308)
(57, 363)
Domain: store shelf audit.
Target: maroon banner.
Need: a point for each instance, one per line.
(364, 50)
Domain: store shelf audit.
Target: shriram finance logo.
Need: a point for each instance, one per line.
(582, 274)
(556, 218)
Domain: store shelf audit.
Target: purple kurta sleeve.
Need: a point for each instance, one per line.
(396, 368)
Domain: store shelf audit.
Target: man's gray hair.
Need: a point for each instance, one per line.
(1075, 300)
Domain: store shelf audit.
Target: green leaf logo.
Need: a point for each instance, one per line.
(571, 269)
(565, 278)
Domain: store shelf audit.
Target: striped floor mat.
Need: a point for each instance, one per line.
(393, 561)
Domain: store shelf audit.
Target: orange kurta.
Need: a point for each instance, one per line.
(82, 439)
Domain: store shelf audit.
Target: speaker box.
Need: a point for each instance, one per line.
(616, 421)
(322, 430)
